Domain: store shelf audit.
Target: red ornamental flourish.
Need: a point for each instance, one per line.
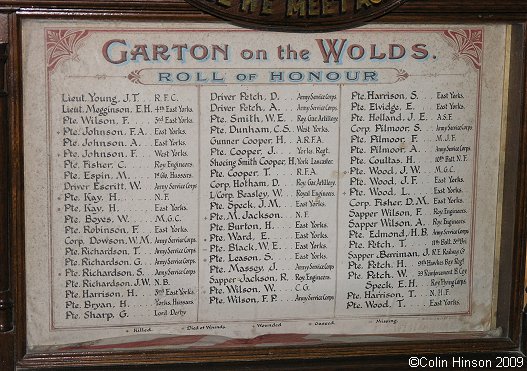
(468, 45)
(402, 75)
(62, 45)
(135, 76)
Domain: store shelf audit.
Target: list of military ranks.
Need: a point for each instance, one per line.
(261, 202)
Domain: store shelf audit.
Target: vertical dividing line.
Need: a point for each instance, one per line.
(50, 196)
(199, 199)
(337, 205)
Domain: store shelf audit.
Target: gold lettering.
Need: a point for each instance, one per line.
(296, 7)
(343, 6)
(329, 7)
(267, 7)
(367, 3)
(248, 5)
(313, 7)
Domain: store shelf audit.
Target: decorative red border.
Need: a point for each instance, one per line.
(62, 45)
(468, 43)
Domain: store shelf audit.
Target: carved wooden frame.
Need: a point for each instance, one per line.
(363, 356)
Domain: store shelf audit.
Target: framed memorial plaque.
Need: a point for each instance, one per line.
(297, 189)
